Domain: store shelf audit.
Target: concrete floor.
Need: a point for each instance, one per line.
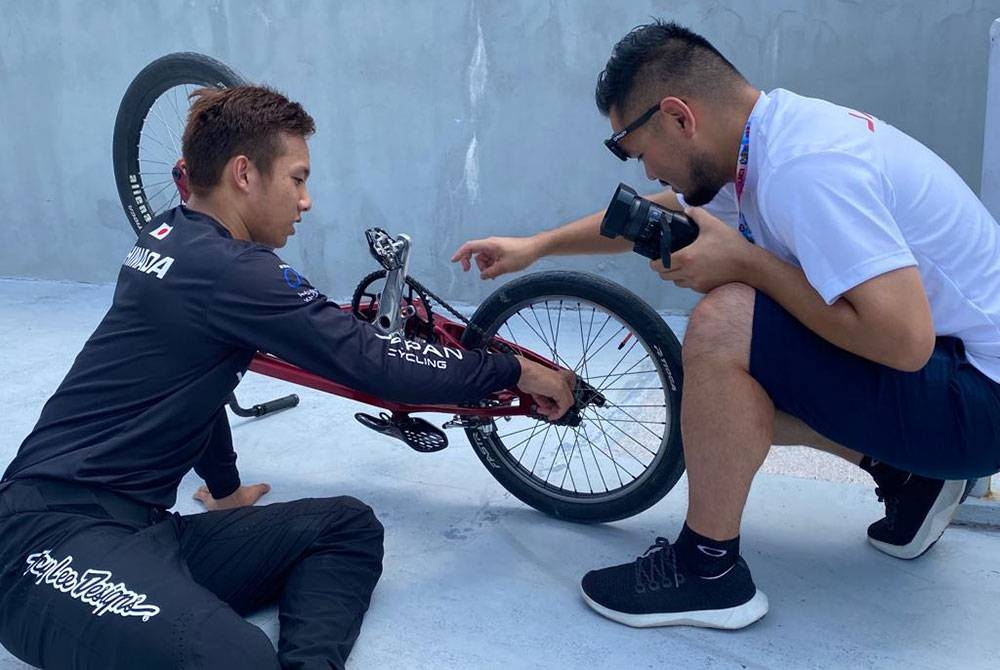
(474, 579)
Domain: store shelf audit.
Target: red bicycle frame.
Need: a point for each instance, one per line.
(448, 333)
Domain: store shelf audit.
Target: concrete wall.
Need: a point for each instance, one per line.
(446, 119)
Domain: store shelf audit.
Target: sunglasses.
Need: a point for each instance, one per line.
(612, 142)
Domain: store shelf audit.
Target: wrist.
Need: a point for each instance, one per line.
(751, 266)
(542, 244)
(525, 373)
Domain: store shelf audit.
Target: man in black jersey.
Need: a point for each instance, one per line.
(94, 572)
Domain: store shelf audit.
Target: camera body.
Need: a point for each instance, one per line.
(656, 232)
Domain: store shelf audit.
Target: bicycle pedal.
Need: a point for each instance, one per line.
(382, 247)
(418, 434)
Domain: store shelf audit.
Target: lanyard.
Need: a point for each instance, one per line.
(742, 159)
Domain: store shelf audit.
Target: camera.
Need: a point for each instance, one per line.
(656, 232)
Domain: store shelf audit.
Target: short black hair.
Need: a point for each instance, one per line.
(245, 120)
(664, 57)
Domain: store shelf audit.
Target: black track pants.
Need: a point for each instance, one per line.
(92, 580)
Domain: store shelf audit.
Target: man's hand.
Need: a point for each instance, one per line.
(244, 496)
(551, 389)
(719, 256)
(498, 255)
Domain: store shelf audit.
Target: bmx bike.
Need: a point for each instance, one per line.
(615, 453)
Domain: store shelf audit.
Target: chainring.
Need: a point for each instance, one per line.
(364, 305)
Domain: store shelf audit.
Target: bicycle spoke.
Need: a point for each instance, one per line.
(587, 355)
(534, 431)
(614, 424)
(609, 455)
(164, 188)
(624, 449)
(511, 337)
(173, 140)
(622, 374)
(144, 135)
(555, 334)
(177, 111)
(614, 461)
(620, 360)
(175, 137)
(634, 365)
(514, 432)
(623, 445)
(583, 461)
(562, 450)
(525, 441)
(554, 331)
(610, 338)
(544, 339)
(660, 405)
(632, 417)
(157, 183)
(569, 467)
(638, 421)
(555, 357)
(600, 471)
(537, 456)
(634, 388)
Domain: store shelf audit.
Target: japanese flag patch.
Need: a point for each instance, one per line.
(162, 231)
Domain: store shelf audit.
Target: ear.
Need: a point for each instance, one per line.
(239, 170)
(679, 115)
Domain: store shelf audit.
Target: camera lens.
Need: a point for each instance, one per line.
(634, 218)
(619, 212)
(646, 224)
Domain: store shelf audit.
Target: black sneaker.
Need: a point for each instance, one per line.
(917, 512)
(656, 590)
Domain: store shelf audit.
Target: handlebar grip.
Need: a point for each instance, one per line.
(276, 405)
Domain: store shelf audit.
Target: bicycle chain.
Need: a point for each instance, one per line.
(501, 346)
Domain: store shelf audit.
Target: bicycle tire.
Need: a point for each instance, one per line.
(661, 347)
(155, 80)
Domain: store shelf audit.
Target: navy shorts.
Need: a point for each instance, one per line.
(942, 421)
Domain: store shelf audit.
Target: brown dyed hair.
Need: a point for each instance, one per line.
(242, 120)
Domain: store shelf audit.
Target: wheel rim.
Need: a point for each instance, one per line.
(617, 447)
(159, 147)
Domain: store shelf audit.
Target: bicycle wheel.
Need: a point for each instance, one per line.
(624, 456)
(149, 126)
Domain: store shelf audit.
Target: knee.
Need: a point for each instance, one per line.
(360, 514)
(348, 515)
(201, 634)
(228, 641)
(720, 326)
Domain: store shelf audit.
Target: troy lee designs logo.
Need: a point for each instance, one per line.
(420, 353)
(93, 587)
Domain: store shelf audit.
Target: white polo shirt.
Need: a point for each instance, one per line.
(848, 197)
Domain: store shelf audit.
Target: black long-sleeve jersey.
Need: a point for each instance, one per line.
(144, 402)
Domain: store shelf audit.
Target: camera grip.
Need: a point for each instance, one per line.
(683, 231)
(678, 231)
